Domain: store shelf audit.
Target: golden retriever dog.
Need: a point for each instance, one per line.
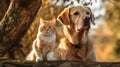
(76, 46)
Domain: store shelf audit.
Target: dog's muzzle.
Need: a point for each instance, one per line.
(86, 22)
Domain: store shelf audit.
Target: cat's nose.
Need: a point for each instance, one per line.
(47, 30)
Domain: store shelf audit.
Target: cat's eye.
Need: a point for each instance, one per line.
(76, 13)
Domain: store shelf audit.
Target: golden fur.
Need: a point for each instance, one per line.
(76, 46)
(44, 44)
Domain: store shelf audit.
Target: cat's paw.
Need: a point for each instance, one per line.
(39, 59)
(51, 56)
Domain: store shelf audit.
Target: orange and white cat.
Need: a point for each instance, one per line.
(44, 45)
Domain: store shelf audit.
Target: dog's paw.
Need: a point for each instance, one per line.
(39, 59)
(51, 56)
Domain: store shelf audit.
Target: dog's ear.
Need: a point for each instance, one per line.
(64, 17)
(92, 19)
(91, 16)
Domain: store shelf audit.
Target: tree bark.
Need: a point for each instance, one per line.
(3, 7)
(16, 22)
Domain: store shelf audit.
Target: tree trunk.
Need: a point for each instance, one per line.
(3, 7)
(16, 22)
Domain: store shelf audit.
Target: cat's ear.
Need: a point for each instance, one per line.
(54, 21)
(42, 21)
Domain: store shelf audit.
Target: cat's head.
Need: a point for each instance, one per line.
(47, 27)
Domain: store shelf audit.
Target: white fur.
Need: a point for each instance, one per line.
(39, 59)
(50, 56)
(49, 39)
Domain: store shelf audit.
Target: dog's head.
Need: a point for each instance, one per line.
(78, 16)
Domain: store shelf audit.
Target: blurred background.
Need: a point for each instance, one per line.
(105, 34)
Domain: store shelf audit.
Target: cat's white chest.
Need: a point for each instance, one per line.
(49, 39)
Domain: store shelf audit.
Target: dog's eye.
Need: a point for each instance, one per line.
(76, 13)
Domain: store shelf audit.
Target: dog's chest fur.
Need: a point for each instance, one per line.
(70, 52)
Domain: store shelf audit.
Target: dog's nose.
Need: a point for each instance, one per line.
(87, 18)
(87, 13)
